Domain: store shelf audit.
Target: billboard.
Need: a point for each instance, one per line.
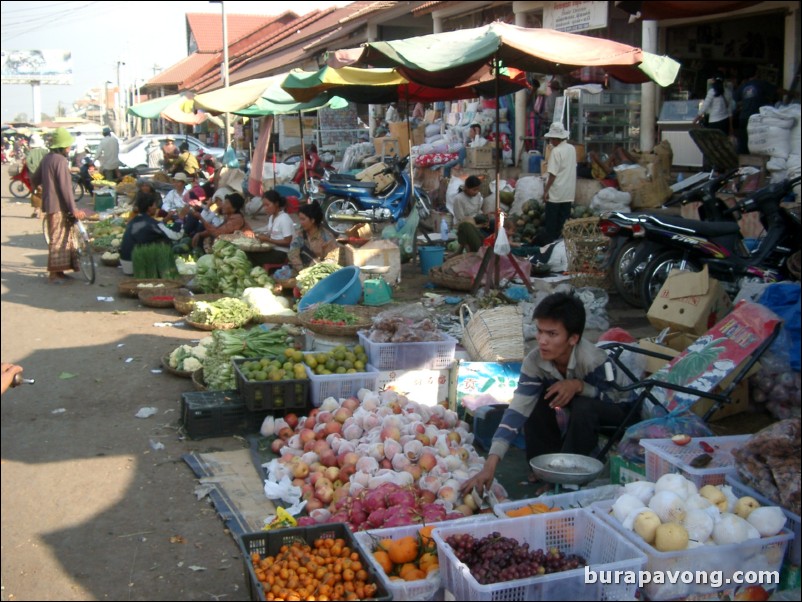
(43, 66)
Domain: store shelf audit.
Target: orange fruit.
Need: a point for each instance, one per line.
(383, 558)
(403, 549)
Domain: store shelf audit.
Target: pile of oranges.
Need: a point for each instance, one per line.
(326, 570)
(409, 558)
(536, 508)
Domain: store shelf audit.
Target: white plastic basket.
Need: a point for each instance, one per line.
(340, 385)
(564, 501)
(571, 531)
(431, 355)
(765, 554)
(663, 456)
(794, 522)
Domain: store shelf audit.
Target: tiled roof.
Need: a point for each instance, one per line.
(183, 70)
(207, 28)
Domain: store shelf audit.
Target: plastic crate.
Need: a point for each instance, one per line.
(432, 355)
(764, 554)
(215, 414)
(104, 201)
(270, 394)
(485, 422)
(564, 501)
(340, 385)
(572, 531)
(268, 543)
(794, 522)
(663, 456)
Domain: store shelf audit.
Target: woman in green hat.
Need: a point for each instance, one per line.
(58, 205)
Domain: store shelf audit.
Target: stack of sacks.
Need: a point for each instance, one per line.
(776, 133)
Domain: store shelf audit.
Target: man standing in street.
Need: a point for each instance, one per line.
(108, 153)
(81, 146)
(560, 188)
(33, 158)
(58, 203)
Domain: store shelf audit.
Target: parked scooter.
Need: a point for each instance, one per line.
(349, 201)
(21, 188)
(318, 167)
(624, 245)
(678, 243)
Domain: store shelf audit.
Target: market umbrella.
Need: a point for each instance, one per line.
(179, 108)
(379, 86)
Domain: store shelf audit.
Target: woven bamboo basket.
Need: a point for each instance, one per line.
(585, 248)
(175, 372)
(150, 297)
(183, 303)
(112, 263)
(493, 335)
(197, 380)
(446, 278)
(276, 319)
(130, 286)
(363, 314)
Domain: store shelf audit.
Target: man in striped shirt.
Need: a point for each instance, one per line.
(562, 381)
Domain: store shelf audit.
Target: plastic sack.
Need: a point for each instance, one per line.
(403, 232)
(611, 199)
(526, 189)
(784, 299)
(678, 422)
(502, 245)
(283, 490)
(452, 191)
(595, 301)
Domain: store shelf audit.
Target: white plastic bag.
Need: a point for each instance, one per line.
(502, 246)
(283, 490)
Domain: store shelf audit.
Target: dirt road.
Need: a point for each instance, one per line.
(90, 511)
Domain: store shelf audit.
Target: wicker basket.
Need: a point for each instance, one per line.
(363, 314)
(276, 319)
(130, 287)
(585, 248)
(209, 327)
(150, 297)
(493, 335)
(112, 263)
(445, 277)
(197, 380)
(183, 303)
(175, 372)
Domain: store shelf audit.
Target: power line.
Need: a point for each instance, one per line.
(32, 24)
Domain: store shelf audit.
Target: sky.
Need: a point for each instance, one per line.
(101, 34)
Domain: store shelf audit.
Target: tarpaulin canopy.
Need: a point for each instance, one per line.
(262, 96)
(179, 108)
(387, 85)
(445, 60)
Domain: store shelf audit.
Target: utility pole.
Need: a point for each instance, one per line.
(120, 104)
(225, 66)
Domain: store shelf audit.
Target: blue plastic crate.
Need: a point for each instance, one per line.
(485, 422)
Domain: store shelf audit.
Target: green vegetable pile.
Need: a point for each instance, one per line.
(218, 372)
(107, 233)
(155, 260)
(227, 310)
(227, 270)
(309, 277)
(334, 315)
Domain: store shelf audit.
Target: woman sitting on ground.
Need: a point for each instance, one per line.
(233, 221)
(144, 229)
(313, 242)
(278, 232)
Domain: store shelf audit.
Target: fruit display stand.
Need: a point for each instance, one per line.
(764, 554)
(570, 531)
(663, 456)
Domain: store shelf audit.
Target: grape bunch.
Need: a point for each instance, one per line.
(494, 558)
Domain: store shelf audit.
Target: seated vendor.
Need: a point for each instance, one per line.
(471, 216)
(278, 232)
(233, 221)
(144, 229)
(313, 242)
(186, 161)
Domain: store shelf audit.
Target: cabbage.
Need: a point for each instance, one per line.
(191, 364)
(205, 263)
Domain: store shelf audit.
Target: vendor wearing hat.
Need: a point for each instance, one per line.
(58, 204)
(560, 188)
(174, 205)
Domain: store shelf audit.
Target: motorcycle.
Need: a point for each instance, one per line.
(678, 243)
(20, 185)
(348, 201)
(318, 167)
(624, 245)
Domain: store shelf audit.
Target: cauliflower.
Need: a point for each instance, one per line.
(108, 255)
(178, 355)
(115, 243)
(199, 352)
(206, 341)
(191, 364)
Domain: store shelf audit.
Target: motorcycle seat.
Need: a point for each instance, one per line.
(700, 227)
(349, 184)
(342, 177)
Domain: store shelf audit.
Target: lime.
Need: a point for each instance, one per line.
(311, 361)
(359, 365)
(350, 356)
(331, 364)
(288, 365)
(298, 356)
(341, 370)
(289, 352)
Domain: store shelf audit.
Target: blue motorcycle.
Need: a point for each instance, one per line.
(348, 201)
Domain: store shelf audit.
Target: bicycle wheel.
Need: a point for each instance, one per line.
(77, 190)
(45, 229)
(86, 260)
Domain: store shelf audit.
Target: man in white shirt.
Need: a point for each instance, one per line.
(80, 149)
(560, 188)
(108, 153)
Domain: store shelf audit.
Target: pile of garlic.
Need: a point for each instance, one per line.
(673, 515)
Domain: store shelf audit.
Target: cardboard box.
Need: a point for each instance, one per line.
(689, 302)
(292, 127)
(481, 157)
(623, 471)
(387, 146)
(375, 253)
(400, 131)
(673, 344)
(427, 387)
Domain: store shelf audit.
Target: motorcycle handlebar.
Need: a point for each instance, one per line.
(698, 193)
(776, 191)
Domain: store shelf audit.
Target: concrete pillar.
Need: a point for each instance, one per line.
(36, 100)
(372, 31)
(648, 111)
(437, 23)
(520, 107)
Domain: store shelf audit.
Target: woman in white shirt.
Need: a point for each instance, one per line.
(717, 108)
(174, 206)
(278, 232)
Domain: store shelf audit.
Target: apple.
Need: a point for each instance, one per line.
(300, 470)
(681, 439)
(427, 461)
(306, 435)
(423, 438)
(276, 445)
(346, 472)
(332, 473)
(285, 433)
(291, 420)
(350, 403)
(333, 428)
(453, 437)
(342, 414)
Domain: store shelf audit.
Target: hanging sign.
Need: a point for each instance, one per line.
(573, 17)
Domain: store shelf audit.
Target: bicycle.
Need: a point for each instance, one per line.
(83, 247)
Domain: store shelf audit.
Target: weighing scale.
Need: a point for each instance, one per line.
(376, 289)
(566, 469)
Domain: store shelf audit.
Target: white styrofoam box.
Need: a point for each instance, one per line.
(572, 532)
(428, 387)
(764, 554)
(663, 456)
(564, 501)
(794, 522)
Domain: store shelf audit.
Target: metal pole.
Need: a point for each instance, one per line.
(118, 104)
(225, 70)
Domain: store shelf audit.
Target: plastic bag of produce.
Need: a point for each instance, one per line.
(678, 422)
